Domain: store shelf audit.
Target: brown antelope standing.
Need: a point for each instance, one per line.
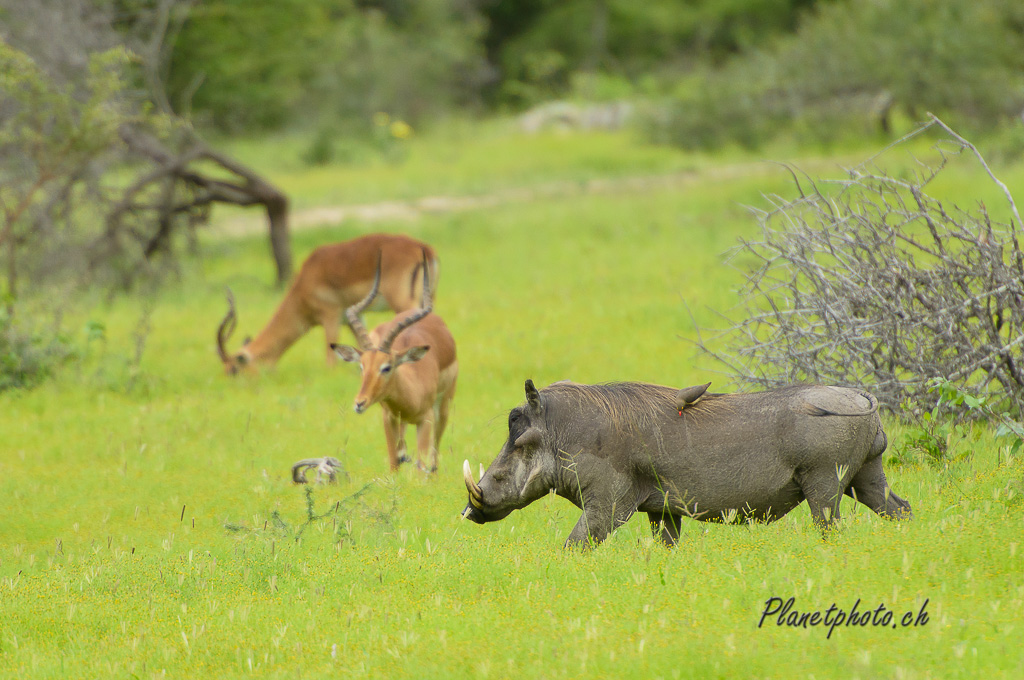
(409, 367)
(332, 278)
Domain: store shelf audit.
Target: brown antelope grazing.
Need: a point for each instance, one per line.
(332, 278)
(409, 367)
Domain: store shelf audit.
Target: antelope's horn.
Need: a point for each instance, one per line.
(476, 496)
(427, 298)
(353, 312)
(426, 306)
(226, 328)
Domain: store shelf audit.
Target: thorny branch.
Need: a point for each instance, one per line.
(869, 281)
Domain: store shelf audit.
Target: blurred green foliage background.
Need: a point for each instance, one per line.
(747, 67)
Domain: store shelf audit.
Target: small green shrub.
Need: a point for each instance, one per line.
(28, 356)
(935, 436)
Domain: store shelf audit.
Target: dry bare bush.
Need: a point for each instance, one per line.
(869, 281)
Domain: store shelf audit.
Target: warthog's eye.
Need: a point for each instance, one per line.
(514, 417)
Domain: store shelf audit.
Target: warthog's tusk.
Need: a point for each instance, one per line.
(476, 496)
(465, 513)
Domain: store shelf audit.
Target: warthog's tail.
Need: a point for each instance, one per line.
(814, 410)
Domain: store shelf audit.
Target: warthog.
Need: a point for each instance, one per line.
(618, 448)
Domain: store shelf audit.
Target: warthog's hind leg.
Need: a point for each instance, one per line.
(665, 526)
(870, 487)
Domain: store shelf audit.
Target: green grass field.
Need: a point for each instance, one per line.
(150, 527)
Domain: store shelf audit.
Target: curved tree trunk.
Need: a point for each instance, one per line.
(248, 189)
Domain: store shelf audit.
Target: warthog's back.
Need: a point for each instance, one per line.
(738, 449)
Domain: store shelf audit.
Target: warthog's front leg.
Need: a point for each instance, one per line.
(598, 521)
(593, 527)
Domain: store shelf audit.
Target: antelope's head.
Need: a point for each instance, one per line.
(379, 363)
(240, 360)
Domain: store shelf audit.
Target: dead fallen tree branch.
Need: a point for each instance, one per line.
(870, 281)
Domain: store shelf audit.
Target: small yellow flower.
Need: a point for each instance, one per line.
(381, 119)
(401, 130)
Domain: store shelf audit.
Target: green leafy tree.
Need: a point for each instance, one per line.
(960, 58)
(247, 63)
(259, 64)
(539, 48)
(50, 137)
(851, 64)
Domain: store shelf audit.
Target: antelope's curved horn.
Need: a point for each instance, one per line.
(476, 496)
(226, 328)
(426, 306)
(353, 312)
(427, 295)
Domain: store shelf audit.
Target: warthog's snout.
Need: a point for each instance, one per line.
(478, 510)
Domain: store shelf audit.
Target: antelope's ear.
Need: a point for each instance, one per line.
(411, 355)
(346, 353)
(532, 397)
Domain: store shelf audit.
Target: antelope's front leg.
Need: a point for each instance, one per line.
(425, 445)
(393, 435)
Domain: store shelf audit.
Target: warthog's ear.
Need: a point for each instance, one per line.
(346, 353)
(532, 397)
(531, 437)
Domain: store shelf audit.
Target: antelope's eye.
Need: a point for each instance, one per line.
(385, 369)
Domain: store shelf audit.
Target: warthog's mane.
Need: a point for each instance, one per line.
(626, 404)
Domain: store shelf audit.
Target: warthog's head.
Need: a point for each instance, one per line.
(524, 470)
